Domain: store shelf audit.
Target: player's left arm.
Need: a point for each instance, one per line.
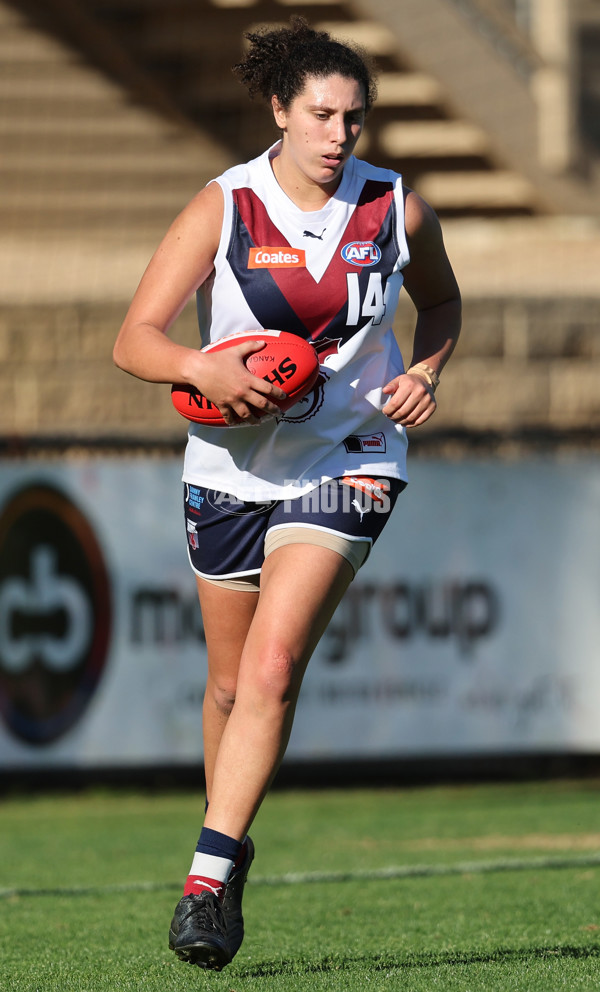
(431, 285)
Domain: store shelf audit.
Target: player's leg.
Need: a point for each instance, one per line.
(313, 547)
(301, 586)
(300, 589)
(227, 615)
(225, 538)
(208, 925)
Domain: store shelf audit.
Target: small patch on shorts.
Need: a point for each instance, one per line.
(374, 488)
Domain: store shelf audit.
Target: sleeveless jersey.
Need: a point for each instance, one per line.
(332, 276)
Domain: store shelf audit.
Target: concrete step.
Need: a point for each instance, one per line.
(243, 4)
(433, 139)
(69, 183)
(10, 17)
(196, 32)
(24, 73)
(124, 7)
(372, 35)
(142, 129)
(75, 107)
(165, 160)
(410, 89)
(157, 183)
(18, 43)
(69, 86)
(109, 209)
(481, 191)
(287, 3)
(92, 200)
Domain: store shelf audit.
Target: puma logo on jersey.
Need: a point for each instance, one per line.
(318, 237)
(276, 258)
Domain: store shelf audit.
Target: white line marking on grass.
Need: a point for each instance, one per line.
(310, 877)
(426, 871)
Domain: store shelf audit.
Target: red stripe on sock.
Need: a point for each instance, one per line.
(199, 883)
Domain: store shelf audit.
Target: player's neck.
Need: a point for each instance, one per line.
(301, 190)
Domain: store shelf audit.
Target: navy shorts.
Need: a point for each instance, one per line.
(226, 535)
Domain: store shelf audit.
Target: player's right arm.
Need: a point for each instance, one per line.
(181, 263)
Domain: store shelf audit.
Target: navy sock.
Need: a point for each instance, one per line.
(218, 845)
(212, 863)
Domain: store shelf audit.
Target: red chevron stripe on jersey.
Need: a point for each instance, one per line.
(373, 220)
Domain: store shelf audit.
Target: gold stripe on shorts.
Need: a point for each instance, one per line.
(354, 551)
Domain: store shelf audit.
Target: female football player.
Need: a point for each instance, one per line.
(281, 510)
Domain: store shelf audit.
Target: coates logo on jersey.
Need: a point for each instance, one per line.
(55, 614)
(277, 258)
(361, 253)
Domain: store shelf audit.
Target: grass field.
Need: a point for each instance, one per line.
(461, 889)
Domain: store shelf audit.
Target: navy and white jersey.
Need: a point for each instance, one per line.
(332, 276)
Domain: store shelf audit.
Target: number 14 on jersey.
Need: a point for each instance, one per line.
(371, 306)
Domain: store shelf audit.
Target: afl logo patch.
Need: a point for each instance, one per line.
(55, 614)
(361, 253)
(227, 503)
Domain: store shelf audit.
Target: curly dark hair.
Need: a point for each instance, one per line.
(279, 60)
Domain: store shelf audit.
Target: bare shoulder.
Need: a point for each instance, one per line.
(192, 241)
(209, 198)
(420, 220)
(204, 211)
(182, 262)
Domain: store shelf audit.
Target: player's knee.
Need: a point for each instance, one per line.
(278, 674)
(223, 696)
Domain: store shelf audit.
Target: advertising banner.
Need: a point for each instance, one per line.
(473, 627)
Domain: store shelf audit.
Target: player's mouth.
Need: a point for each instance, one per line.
(333, 161)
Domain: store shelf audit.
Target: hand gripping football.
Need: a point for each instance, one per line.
(287, 360)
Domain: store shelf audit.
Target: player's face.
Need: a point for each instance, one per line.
(321, 128)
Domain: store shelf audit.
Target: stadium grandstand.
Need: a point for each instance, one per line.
(114, 112)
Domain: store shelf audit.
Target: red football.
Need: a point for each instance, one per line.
(287, 360)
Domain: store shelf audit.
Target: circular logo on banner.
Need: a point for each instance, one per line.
(55, 614)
